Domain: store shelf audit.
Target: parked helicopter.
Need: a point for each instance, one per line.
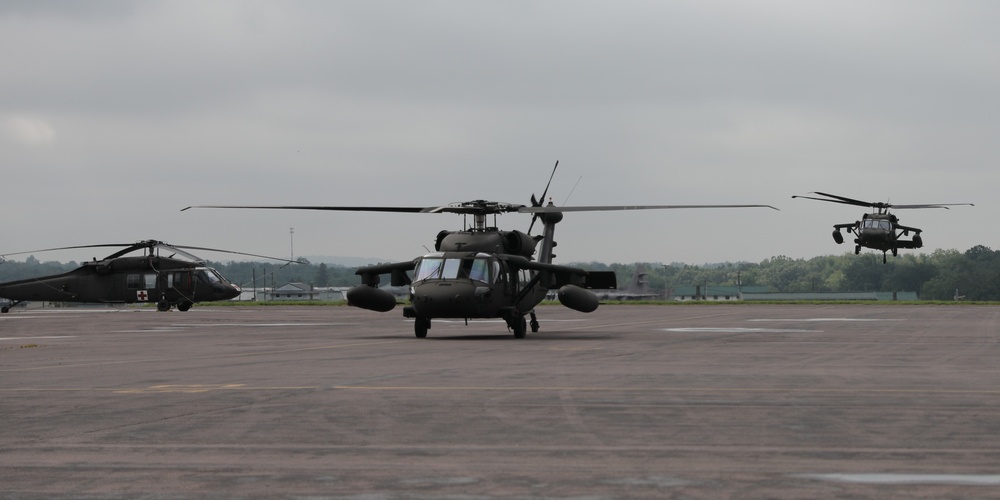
(879, 230)
(482, 271)
(166, 280)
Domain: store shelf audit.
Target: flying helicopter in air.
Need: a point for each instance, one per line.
(878, 230)
(164, 274)
(482, 271)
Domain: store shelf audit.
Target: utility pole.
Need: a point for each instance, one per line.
(291, 241)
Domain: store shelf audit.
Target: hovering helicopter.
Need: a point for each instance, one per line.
(167, 280)
(482, 271)
(879, 230)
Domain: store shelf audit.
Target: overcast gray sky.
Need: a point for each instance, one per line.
(115, 115)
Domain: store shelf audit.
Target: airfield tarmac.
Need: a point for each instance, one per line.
(696, 401)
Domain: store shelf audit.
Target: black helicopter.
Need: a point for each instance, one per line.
(482, 271)
(879, 230)
(166, 280)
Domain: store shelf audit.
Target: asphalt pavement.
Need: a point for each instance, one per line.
(691, 401)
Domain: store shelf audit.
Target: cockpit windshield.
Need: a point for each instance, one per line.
(210, 275)
(880, 224)
(476, 268)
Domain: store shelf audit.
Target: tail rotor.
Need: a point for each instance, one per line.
(535, 202)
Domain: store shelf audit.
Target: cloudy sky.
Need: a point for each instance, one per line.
(115, 115)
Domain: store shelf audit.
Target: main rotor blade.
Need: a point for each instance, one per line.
(934, 205)
(71, 248)
(343, 209)
(601, 208)
(832, 201)
(178, 247)
(839, 199)
(850, 200)
(859, 203)
(470, 207)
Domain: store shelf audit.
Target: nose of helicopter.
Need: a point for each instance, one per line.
(227, 291)
(447, 299)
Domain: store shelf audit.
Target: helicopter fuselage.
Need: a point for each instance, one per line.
(164, 281)
(481, 273)
(469, 285)
(879, 231)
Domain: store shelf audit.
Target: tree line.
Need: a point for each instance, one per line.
(974, 273)
(941, 275)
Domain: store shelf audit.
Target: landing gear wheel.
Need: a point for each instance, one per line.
(184, 306)
(420, 327)
(4, 309)
(534, 323)
(520, 327)
(883, 257)
(857, 249)
(163, 306)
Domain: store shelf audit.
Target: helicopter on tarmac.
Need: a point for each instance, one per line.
(879, 230)
(482, 271)
(166, 280)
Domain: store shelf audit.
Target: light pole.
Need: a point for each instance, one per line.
(291, 241)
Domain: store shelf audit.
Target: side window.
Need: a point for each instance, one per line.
(181, 279)
(150, 280)
(132, 281)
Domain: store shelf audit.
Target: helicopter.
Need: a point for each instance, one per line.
(482, 271)
(878, 230)
(168, 281)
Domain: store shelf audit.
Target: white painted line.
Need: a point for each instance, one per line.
(256, 325)
(728, 329)
(961, 479)
(824, 319)
(36, 338)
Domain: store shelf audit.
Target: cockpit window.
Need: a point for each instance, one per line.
(876, 224)
(477, 269)
(429, 268)
(209, 276)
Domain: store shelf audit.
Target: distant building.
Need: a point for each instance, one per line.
(294, 291)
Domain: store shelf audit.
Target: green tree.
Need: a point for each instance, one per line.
(322, 276)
